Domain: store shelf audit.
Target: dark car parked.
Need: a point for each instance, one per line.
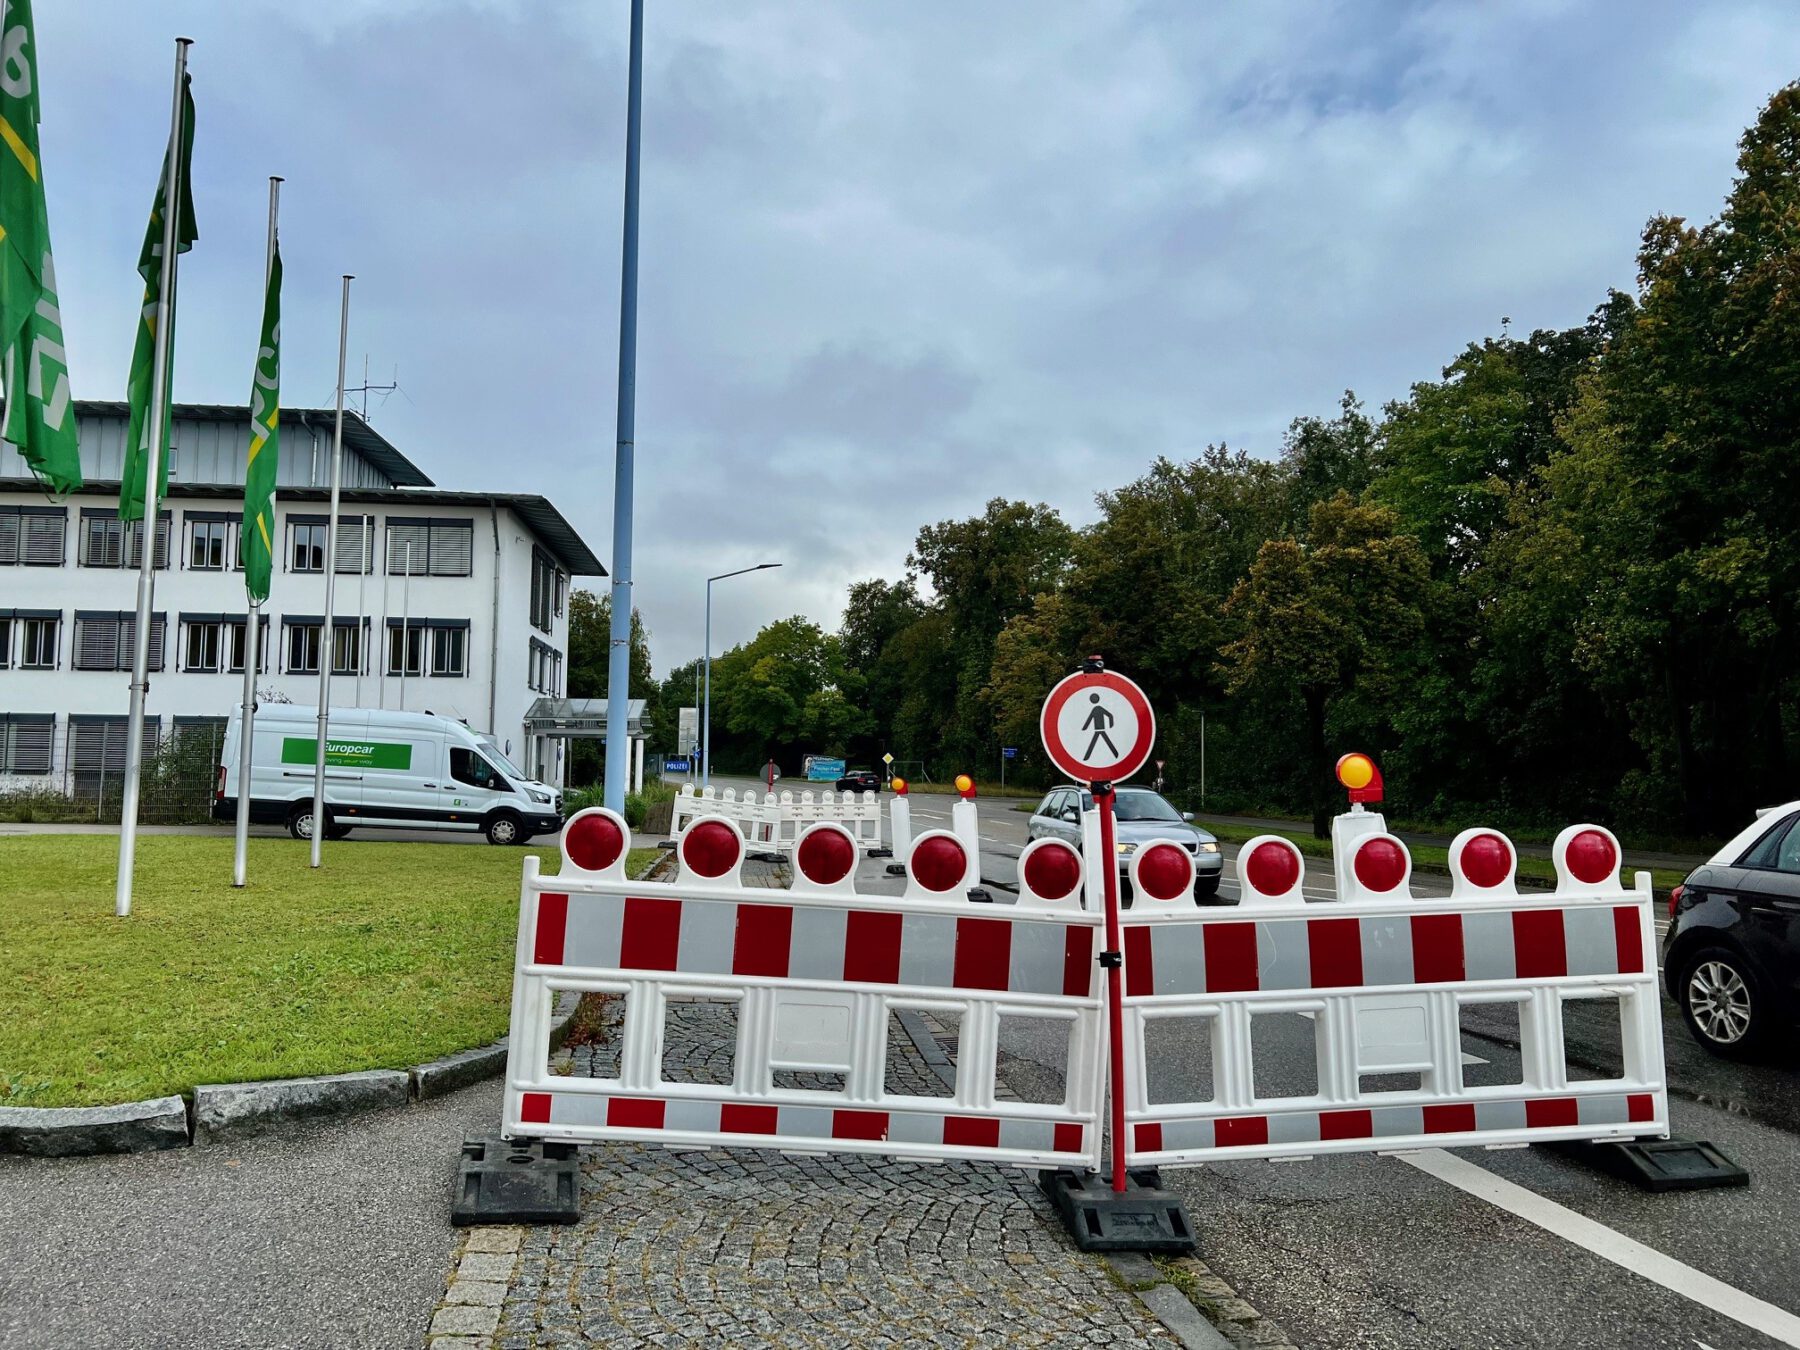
(1731, 958)
(859, 779)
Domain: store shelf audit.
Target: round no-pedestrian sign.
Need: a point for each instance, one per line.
(1098, 727)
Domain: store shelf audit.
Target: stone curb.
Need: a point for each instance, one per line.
(65, 1131)
(223, 1111)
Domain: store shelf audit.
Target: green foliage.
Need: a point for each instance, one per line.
(1558, 582)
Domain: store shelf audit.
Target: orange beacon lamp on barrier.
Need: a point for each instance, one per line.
(1357, 772)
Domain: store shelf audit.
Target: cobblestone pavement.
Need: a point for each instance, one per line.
(736, 1247)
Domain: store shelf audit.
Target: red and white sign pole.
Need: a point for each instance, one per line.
(1098, 728)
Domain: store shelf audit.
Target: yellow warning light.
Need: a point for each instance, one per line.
(899, 786)
(1356, 771)
(964, 782)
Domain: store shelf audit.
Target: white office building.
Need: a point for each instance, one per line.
(448, 602)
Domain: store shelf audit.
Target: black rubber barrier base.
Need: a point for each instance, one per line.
(881, 853)
(517, 1181)
(1142, 1218)
(1660, 1164)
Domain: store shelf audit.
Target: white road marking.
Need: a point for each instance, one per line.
(1609, 1245)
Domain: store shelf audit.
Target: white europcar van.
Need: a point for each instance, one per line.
(394, 769)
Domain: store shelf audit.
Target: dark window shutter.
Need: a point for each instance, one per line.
(398, 537)
(452, 548)
(9, 536)
(42, 545)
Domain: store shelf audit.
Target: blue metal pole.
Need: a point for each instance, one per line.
(618, 667)
(706, 716)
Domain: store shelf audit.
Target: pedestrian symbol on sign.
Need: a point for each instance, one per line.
(1099, 720)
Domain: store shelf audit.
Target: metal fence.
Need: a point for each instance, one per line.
(73, 770)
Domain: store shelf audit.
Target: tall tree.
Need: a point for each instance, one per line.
(1326, 618)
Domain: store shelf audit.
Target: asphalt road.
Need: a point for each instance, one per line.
(1377, 1251)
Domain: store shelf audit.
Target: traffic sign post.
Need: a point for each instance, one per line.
(1098, 728)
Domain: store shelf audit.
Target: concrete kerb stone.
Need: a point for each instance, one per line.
(68, 1131)
(232, 1110)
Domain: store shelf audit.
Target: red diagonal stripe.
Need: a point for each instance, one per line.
(761, 946)
(1628, 935)
(1336, 949)
(634, 1113)
(1237, 1130)
(983, 953)
(971, 1132)
(872, 947)
(1140, 969)
(652, 935)
(1437, 941)
(1078, 963)
(859, 1124)
(1230, 958)
(1538, 946)
(1346, 1124)
(1551, 1111)
(1450, 1118)
(736, 1118)
(552, 925)
(534, 1107)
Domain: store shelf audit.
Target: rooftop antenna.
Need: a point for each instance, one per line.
(365, 388)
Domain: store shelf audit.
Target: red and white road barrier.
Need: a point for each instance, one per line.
(1386, 978)
(814, 974)
(773, 822)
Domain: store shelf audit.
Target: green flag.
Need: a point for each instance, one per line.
(143, 356)
(265, 445)
(40, 419)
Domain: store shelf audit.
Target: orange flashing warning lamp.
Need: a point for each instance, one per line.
(1357, 772)
(965, 786)
(899, 786)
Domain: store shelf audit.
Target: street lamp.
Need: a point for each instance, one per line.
(706, 713)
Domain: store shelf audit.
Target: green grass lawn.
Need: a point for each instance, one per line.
(1425, 855)
(389, 955)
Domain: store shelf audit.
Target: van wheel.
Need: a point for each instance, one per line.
(504, 827)
(300, 821)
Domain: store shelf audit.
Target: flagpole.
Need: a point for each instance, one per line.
(326, 630)
(158, 423)
(252, 647)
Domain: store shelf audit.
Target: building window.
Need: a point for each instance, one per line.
(303, 648)
(346, 649)
(25, 740)
(97, 748)
(104, 639)
(306, 547)
(423, 546)
(546, 600)
(209, 544)
(6, 627)
(405, 647)
(37, 642)
(202, 645)
(106, 541)
(449, 651)
(32, 535)
(236, 631)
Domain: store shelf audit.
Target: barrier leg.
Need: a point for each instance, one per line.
(1134, 1213)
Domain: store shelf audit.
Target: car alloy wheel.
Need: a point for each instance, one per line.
(1719, 1001)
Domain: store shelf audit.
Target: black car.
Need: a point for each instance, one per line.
(859, 780)
(1731, 958)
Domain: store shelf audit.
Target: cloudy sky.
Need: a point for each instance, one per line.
(898, 258)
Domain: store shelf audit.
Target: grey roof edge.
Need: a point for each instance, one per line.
(358, 434)
(540, 515)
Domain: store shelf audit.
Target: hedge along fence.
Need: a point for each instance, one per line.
(77, 774)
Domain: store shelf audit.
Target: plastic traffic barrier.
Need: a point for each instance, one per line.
(773, 822)
(814, 975)
(1385, 979)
